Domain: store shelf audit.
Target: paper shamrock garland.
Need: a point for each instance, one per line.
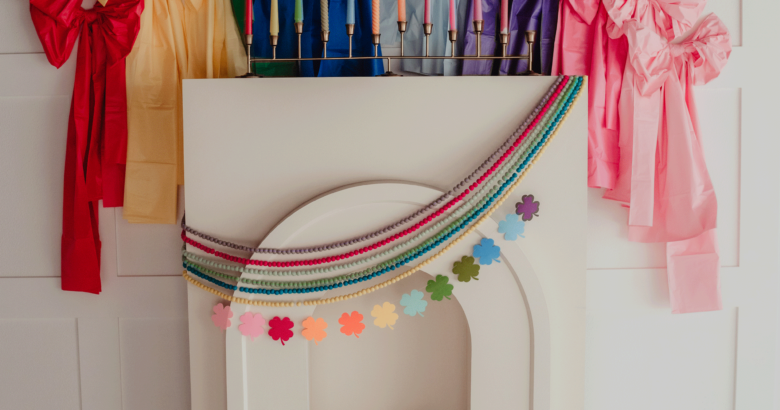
(487, 252)
(439, 288)
(314, 329)
(251, 325)
(414, 303)
(528, 208)
(385, 315)
(465, 269)
(280, 329)
(512, 227)
(221, 316)
(352, 324)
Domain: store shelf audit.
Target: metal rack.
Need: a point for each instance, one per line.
(530, 38)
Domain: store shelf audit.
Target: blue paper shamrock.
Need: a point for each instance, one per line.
(486, 252)
(512, 227)
(414, 303)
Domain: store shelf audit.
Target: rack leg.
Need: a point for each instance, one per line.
(249, 73)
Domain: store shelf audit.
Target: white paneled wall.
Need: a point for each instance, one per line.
(124, 349)
(127, 348)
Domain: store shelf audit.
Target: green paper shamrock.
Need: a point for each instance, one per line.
(466, 269)
(440, 288)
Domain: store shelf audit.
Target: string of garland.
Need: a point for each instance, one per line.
(451, 193)
(367, 248)
(322, 286)
(539, 149)
(195, 259)
(317, 285)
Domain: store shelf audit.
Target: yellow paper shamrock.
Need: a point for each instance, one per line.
(384, 315)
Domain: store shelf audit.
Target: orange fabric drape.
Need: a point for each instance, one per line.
(178, 40)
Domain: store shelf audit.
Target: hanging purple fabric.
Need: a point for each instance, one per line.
(527, 15)
(490, 10)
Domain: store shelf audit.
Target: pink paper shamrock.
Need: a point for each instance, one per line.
(221, 316)
(252, 325)
(280, 329)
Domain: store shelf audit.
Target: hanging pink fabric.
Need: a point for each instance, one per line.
(97, 126)
(582, 47)
(663, 175)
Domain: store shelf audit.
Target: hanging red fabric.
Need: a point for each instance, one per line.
(97, 126)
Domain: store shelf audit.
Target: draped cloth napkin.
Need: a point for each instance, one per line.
(97, 125)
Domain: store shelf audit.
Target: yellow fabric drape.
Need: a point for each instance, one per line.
(178, 40)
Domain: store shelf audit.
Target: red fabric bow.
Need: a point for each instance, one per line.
(97, 126)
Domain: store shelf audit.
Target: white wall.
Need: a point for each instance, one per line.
(125, 349)
(128, 347)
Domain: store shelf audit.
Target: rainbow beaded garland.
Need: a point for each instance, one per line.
(451, 193)
(383, 242)
(337, 282)
(571, 97)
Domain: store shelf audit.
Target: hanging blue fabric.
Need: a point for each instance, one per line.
(287, 46)
(311, 43)
(490, 10)
(527, 15)
(338, 45)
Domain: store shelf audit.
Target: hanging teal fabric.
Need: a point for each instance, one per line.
(414, 38)
(455, 67)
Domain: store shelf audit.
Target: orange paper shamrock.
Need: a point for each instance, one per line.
(314, 329)
(352, 324)
(384, 315)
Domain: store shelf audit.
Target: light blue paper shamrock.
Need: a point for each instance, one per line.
(487, 252)
(512, 227)
(414, 303)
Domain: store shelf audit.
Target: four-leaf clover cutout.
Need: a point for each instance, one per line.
(528, 208)
(465, 269)
(414, 303)
(251, 325)
(221, 316)
(352, 324)
(512, 227)
(487, 251)
(314, 329)
(385, 315)
(439, 288)
(280, 329)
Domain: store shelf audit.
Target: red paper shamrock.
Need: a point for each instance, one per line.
(352, 324)
(280, 329)
(221, 316)
(528, 208)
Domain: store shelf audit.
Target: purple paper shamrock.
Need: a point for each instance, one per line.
(512, 227)
(486, 252)
(528, 208)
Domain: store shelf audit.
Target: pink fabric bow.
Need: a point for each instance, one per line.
(663, 175)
